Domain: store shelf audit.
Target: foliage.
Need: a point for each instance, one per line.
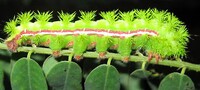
(59, 74)
(36, 70)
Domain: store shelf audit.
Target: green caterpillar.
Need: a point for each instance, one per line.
(158, 33)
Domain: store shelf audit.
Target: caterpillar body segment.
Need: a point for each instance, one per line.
(158, 33)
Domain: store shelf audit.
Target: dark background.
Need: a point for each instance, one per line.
(187, 10)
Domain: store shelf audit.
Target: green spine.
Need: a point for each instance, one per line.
(171, 40)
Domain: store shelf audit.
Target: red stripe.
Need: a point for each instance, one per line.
(86, 30)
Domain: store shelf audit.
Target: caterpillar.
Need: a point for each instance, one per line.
(157, 33)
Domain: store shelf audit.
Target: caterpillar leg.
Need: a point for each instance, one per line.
(46, 43)
(152, 55)
(102, 44)
(125, 48)
(12, 45)
(125, 59)
(158, 58)
(81, 43)
(92, 42)
(56, 53)
(56, 44)
(70, 44)
(78, 57)
(91, 45)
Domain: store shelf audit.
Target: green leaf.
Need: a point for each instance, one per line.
(38, 57)
(103, 77)
(65, 75)
(130, 83)
(5, 53)
(1, 78)
(48, 64)
(152, 86)
(27, 75)
(5, 64)
(140, 73)
(176, 81)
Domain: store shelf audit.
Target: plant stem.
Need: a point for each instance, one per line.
(70, 57)
(143, 65)
(170, 63)
(31, 51)
(109, 60)
(183, 70)
(29, 54)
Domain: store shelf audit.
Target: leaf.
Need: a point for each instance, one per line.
(129, 83)
(103, 77)
(176, 81)
(38, 57)
(5, 53)
(1, 78)
(6, 64)
(65, 75)
(140, 73)
(152, 86)
(27, 75)
(48, 64)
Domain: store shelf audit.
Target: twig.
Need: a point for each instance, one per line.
(170, 63)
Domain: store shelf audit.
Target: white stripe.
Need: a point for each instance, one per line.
(107, 33)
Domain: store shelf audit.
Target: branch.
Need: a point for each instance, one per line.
(170, 63)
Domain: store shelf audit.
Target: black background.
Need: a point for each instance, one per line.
(187, 10)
